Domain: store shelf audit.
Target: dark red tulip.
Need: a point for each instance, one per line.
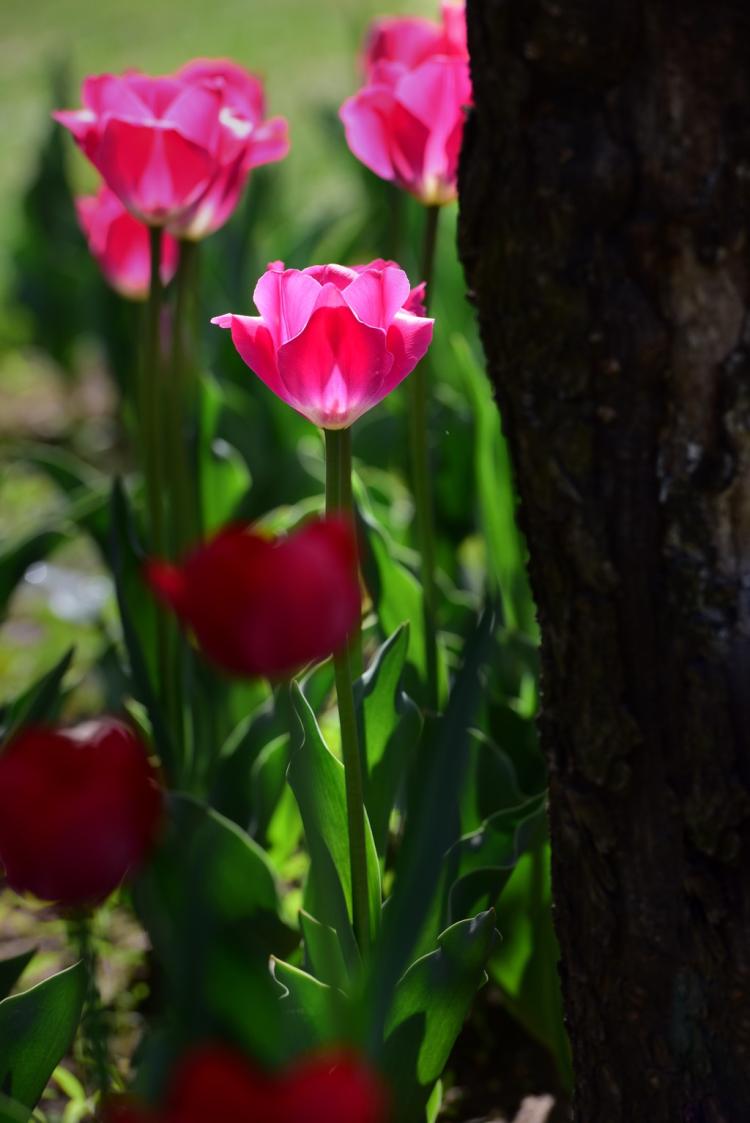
(265, 607)
(79, 809)
(330, 1087)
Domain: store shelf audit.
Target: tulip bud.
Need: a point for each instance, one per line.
(80, 809)
(266, 607)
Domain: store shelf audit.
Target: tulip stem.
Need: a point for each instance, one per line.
(423, 499)
(339, 499)
(150, 395)
(94, 1030)
(182, 424)
(152, 421)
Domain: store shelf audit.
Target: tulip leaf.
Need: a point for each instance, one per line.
(37, 1028)
(525, 963)
(394, 589)
(307, 1008)
(317, 780)
(389, 729)
(138, 618)
(505, 550)
(41, 701)
(323, 951)
(429, 1006)
(209, 901)
(439, 776)
(397, 596)
(224, 474)
(11, 970)
(480, 864)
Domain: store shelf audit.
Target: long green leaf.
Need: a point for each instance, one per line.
(428, 1011)
(11, 970)
(37, 1028)
(428, 835)
(389, 729)
(317, 780)
(41, 701)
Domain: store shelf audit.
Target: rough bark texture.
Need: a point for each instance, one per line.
(605, 232)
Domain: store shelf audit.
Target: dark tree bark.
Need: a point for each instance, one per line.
(605, 232)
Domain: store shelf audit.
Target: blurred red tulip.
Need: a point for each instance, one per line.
(406, 123)
(330, 1087)
(266, 607)
(120, 244)
(176, 149)
(332, 341)
(79, 809)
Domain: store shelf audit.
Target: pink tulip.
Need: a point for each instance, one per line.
(406, 123)
(267, 141)
(176, 150)
(120, 244)
(331, 341)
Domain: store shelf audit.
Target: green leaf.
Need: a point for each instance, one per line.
(37, 1028)
(323, 951)
(389, 728)
(224, 474)
(210, 903)
(525, 964)
(481, 863)
(11, 970)
(429, 1008)
(41, 702)
(438, 783)
(505, 548)
(138, 618)
(17, 556)
(396, 594)
(307, 1008)
(317, 780)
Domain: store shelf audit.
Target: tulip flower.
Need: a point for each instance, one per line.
(267, 141)
(331, 341)
(265, 607)
(406, 123)
(176, 149)
(332, 1087)
(120, 244)
(80, 808)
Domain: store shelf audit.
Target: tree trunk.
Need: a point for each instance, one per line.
(605, 232)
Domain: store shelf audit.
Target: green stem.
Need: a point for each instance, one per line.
(152, 420)
(150, 403)
(339, 498)
(183, 393)
(422, 483)
(94, 1029)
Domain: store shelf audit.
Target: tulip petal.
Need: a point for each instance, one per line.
(435, 94)
(157, 173)
(268, 143)
(408, 338)
(397, 39)
(377, 295)
(285, 300)
(256, 347)
(339, 275)
(243, 91)
(365, 118)
(334, 370)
